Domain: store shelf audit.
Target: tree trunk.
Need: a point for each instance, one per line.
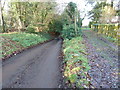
(2, 19)
(18, 7)
(3, 23)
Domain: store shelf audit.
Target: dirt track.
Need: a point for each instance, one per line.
(34, 68)
(103, 59)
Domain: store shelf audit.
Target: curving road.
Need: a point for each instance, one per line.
(34, 68)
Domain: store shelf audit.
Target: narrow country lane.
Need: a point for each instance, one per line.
(103, 59)
(34, 68)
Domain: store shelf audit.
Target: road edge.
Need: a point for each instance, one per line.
(20, 51)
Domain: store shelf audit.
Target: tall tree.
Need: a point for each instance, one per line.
(71, 10)
(95, 13)
(2, 16)
(107, 14)
(24, 14)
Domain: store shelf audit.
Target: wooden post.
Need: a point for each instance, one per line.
(75, 24)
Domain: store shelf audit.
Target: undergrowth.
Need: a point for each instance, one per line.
(12, 42)
(75, 63)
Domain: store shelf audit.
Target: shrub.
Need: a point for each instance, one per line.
(76, 62)
(69, 32)
(56, 25)
(109, 30)
(30, 29)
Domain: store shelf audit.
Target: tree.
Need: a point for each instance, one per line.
(23, 14)
(95, 13)
(56, 24)
(2, 17)
(71, 11)
(108, 13)
(118, 9)
(71, 18)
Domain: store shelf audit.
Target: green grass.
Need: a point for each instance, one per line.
(12, 42)
(85, 28)
(76, 62)
(111, 39)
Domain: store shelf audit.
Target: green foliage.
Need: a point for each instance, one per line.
(90, 23)
(23, 14)
(28, 39)
(68, 24)
(65, 18)
(17, 41)
(71, 26)
(71, 9)
(95, 13)
(118, 12)
(110, 30)
(56, 24)
(76, 61)
(30, 29)
(69, 31)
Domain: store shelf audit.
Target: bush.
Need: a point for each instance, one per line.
(69, 32)
(56, 25)
(109, 30)
(30, 29)
(76, 62)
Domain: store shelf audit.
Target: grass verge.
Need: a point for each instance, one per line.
(13, 42)
(75, 63)
(113, 40)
